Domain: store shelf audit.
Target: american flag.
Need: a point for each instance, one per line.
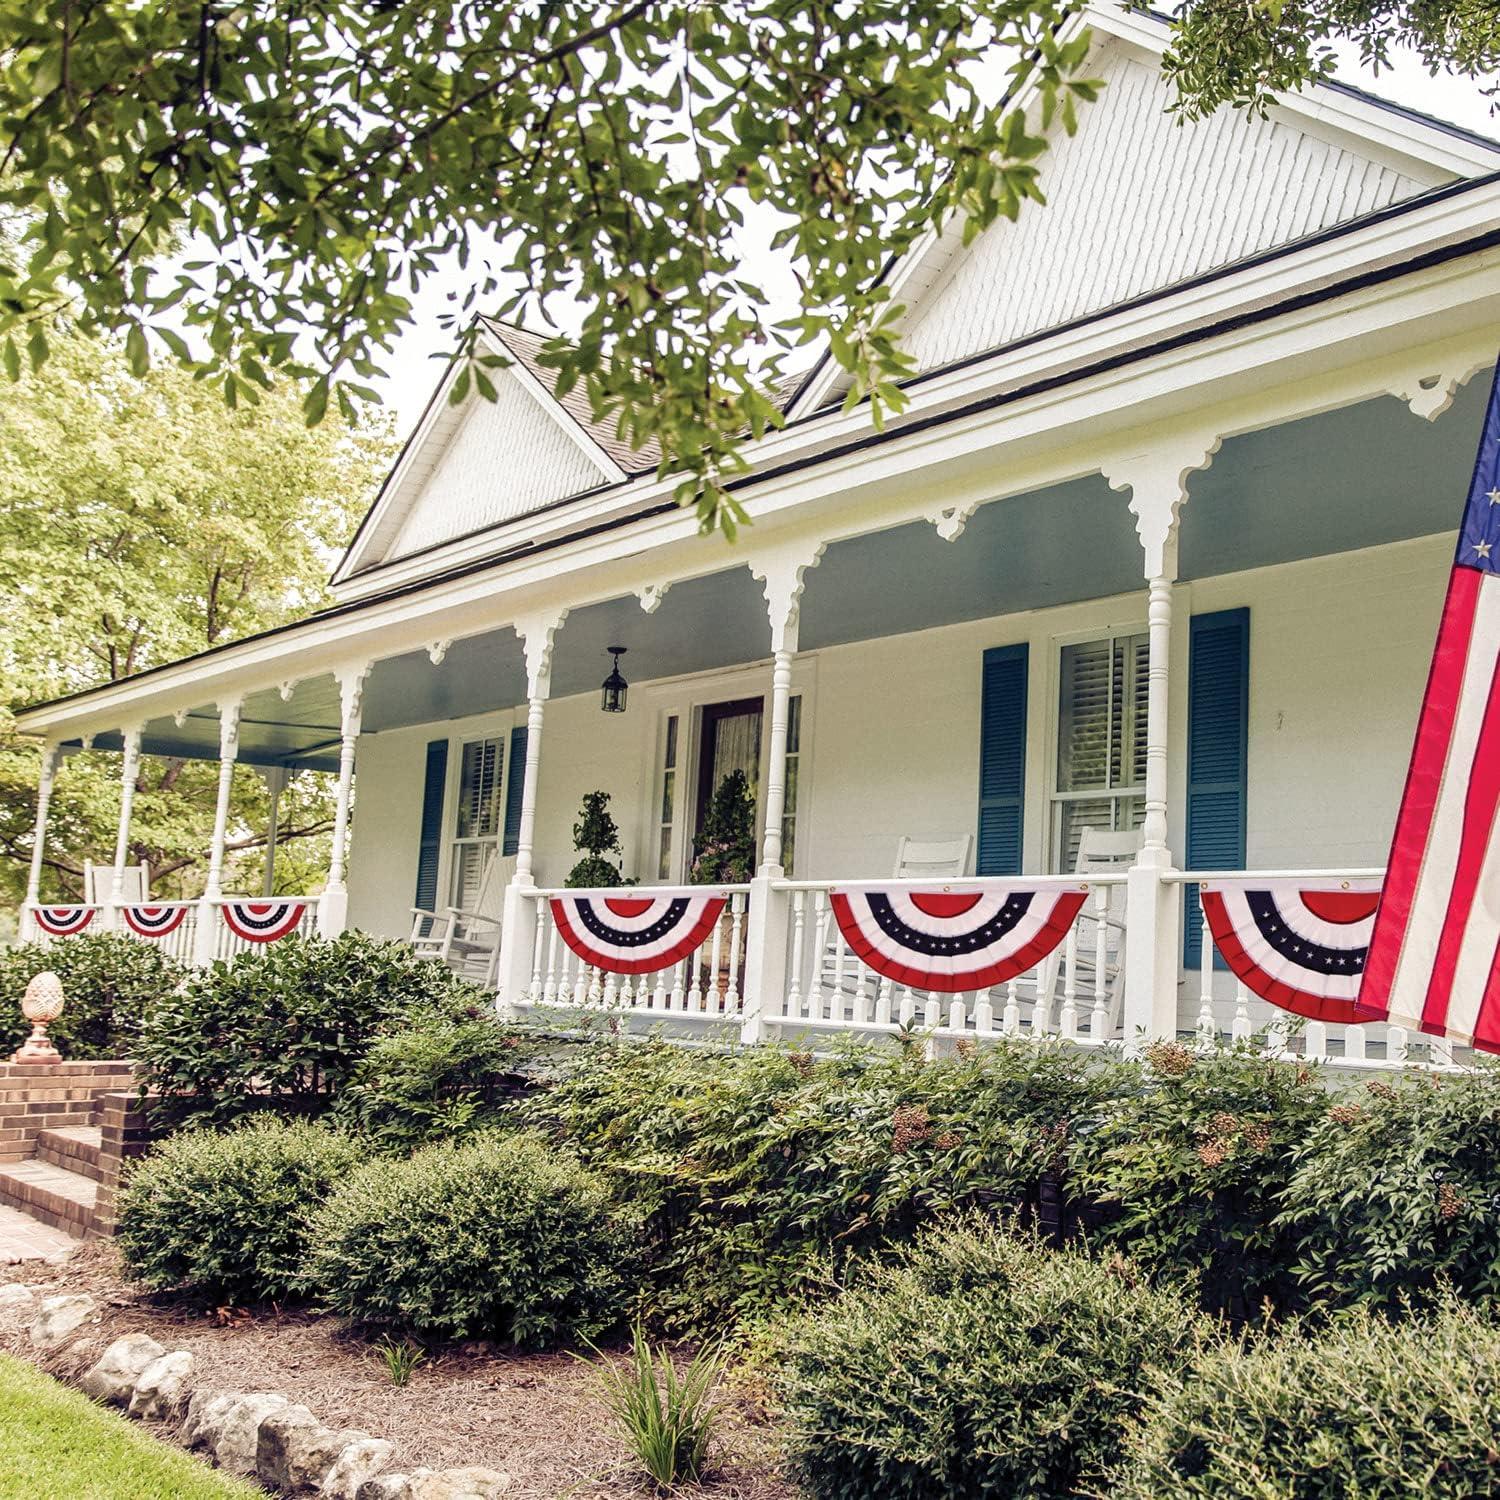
(1434, 960)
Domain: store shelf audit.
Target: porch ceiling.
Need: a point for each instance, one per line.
(1356, 477)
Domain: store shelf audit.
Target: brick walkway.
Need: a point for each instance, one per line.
(23, 1238)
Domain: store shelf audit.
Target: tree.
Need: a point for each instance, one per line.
(260, 186)
(146, 520)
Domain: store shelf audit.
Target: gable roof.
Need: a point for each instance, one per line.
(1138, 202)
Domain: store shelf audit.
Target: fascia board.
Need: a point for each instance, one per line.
(1308, 360)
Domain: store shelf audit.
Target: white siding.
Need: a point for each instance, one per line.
(1338, 655)
(1137, 202)
(507, 458)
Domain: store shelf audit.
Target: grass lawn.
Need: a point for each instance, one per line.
(56, 1442)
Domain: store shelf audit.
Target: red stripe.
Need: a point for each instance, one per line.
(1487, 1022)
(1479, 817)
(1424, 779)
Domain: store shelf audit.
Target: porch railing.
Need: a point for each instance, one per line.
(1227, 1011)
(706, 984)
(1076, 992)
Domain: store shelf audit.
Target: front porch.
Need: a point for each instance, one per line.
(1215, 656)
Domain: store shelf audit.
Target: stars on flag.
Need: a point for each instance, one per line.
(1482, 549)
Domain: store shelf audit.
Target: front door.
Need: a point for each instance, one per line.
(728, 741)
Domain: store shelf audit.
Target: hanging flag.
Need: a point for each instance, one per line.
(953, 939)
(637, 934)
(1300, 947)
(262, 921)
(63, 921)
(1434, 960)
(154, 921)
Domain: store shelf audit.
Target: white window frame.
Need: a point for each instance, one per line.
(457, 744)
(1103, 630)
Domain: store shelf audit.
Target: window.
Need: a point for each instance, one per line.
(477, 824)
(1101, 742)
(668, 807)
(793, 766)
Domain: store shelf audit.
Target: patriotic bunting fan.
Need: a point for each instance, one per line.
(63, 921)
(1300, 947)
(262, 921)
(954, 939)
(636, 934)
(154, 921)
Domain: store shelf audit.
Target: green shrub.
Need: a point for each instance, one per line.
(978, 1364)
(111, 983)
(1396, 1190)
(431, 1078)
(759, 1173)
(289, 1021)
(1191, 1163)
(499, 1237)
(1370, 1409)
(226, 1214)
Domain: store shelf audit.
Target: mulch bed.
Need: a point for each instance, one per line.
(536, 1416)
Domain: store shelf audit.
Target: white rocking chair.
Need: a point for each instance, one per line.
(467, 941)
(1100, 852)
(99, 884)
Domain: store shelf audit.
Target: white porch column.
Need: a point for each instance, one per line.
(518, 919)
(130, 770)
(333, 907)
(784, 574)
(51, 759)
(275, 778)
(1157, 480)
(208, 918)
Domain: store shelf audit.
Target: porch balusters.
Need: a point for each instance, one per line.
(51, 759)
(205, 935)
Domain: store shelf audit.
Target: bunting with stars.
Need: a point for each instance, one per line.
(1434, 960)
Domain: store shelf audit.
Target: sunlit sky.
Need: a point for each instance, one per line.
(414, 367)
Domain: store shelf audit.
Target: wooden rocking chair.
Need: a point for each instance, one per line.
(468, 941)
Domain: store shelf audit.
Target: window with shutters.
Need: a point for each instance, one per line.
(1101, 742)
(793, 773)
(477, 823)
(667, 807)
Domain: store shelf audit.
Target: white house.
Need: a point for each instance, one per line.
(1158, 550)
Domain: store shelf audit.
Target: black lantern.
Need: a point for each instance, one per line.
(615, 687)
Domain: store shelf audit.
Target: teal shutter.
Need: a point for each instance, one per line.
(511, 841)
(1002, 760)
(430, 845)
(1218, 735)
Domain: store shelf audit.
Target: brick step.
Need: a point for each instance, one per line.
(74, 1148)
(56, 1196)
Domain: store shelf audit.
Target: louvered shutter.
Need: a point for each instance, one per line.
(1218, 725)
(1002, 760)
(430, 843)
(512, 838)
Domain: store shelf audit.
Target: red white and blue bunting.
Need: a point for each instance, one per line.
(637, 934)
(262, 921)
(1301, 947)
(63, 921)
(953, 938)
(154, 921)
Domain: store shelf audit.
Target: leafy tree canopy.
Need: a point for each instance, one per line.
(261, 186)
(145, 520)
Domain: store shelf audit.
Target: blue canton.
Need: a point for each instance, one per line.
(1479, 535)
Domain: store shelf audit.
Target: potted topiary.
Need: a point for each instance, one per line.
(724, 854)
(595, 836)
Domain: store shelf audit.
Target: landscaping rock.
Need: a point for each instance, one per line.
(113, 1379)
(237, 1440)
(386, 1487)
(60, 1318)
(456, 1484)
(354, 1467)
(204, 1417)
(161, 1392)
(295, 1451)
(17, 1296)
